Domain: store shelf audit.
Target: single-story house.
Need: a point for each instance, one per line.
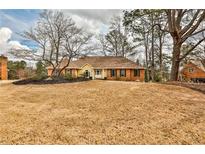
(193, 71)
(103, 67)
(3, 68)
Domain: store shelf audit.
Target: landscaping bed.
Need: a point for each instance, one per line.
(194, 86)
(49, 81)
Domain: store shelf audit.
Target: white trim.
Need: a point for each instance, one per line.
(85, 65)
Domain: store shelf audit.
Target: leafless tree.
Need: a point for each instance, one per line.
(57, 37)
(117, 41)
(182, 26)
(102, 44)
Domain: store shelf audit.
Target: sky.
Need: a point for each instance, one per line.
(14, 22)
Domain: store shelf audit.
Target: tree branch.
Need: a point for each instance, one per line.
(186, 28)
(190, 50)
(193, 28)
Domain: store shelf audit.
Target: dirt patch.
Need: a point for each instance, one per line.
(101, 112)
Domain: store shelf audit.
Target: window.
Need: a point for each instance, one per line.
(191, 70)
(136, 72)
(123, 73)
(69, 71)
(98, 72)
(113, 72)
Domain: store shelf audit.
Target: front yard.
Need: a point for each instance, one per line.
(101, 112)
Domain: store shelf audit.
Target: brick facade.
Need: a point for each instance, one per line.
(103, 65)
(3, 68)
(107, 73)
(129, 75)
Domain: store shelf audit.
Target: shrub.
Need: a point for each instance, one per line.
(68, 76)
(40, 76)
(157, 78)
(57, 77)
(12, 74)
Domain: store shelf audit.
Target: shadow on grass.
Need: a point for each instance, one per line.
(200, 87)
(42, 82)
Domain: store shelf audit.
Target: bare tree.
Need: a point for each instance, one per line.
(58, 38)
(142, 24)
(182, 26)
(102, 44)
(117, 39)
(75, 44)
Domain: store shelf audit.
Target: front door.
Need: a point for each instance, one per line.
(87, 74)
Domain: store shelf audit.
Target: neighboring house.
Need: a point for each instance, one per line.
(104, 67)
(193, 71)
(3, 68)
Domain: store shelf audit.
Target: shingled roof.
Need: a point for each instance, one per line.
(102, 62)
(199, 64)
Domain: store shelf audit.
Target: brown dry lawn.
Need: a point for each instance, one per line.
(101, 112)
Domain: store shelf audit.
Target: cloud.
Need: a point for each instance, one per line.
(6, 44)
(95, 21)
(91, 20)
(5, 35)
(17, 45)
(18, 20)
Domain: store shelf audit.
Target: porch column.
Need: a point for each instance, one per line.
(93, 74)
(103, 73)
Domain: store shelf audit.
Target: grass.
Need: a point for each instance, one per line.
(101, 112)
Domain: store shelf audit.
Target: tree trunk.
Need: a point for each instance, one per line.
(152, 50)
(175, 61)
(54, 72)
(146, 59)
(160, 57)
(62, 69)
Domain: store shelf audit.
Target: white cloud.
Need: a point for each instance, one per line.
(5, 35)
(17, 45)
(6, 44)
(94, 21)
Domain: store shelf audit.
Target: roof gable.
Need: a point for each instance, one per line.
(198, 64)
(86, 65)
(195, 64)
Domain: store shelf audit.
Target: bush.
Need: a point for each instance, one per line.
(40, 77)
(68, 76)
(157, 78)
(57, 78)
(12, 75)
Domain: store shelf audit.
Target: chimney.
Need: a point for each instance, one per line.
(3, 68)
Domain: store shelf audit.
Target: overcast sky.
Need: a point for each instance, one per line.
(14, 21)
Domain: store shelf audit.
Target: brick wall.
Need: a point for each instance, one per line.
(3, 68)
(74, 73)
(49, 71)
(138, 78)
(129, 75)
